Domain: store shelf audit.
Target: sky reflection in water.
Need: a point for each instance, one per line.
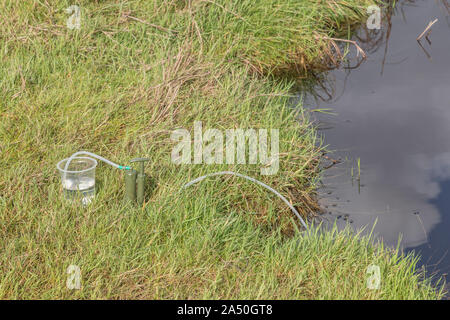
(398, 124)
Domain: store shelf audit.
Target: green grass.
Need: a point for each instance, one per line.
(133, 73)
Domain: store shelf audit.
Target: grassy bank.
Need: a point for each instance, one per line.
(119, 86)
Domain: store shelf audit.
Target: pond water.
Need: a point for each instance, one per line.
(392, 115)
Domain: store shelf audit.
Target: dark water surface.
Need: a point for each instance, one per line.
(397, 122)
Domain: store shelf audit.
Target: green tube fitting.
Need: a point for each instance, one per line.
(140, 180)
(130, 185)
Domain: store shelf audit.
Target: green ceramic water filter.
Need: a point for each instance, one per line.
(140, 180)
(130, 185)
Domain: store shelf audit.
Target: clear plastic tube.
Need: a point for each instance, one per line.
(252, 180)
(93, 155)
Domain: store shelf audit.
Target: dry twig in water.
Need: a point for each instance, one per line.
(427, 30)
(358, 48)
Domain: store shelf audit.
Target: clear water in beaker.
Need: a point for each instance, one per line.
(78, 179)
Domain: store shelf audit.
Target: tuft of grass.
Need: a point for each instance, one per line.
(133, 73)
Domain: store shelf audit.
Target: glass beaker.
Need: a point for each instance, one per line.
(78, 179)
